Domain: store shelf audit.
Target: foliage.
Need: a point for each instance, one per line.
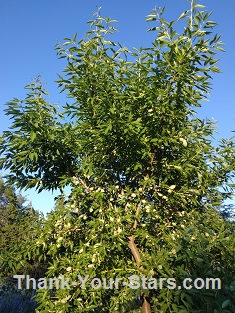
(19, 226)
(147, 183)
(15, 301)
(39, 147)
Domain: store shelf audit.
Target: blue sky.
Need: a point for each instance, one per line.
(30, 29)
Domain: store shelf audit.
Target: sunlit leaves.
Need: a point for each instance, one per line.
(140, 164)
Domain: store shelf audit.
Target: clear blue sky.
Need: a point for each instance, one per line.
(30, 29)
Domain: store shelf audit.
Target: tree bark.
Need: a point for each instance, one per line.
(145, 303)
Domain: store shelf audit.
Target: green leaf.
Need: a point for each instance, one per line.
(225, 304)
(199, 6)
(32, 135)
(178, 248)
(184, 14)
(215, 69)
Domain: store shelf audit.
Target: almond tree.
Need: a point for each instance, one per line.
(146, 181)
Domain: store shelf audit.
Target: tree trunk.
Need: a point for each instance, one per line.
(145, 304)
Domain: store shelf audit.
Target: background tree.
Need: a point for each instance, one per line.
(20, 224)
(147, 183)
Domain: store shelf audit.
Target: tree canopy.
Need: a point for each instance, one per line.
(147, 182)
